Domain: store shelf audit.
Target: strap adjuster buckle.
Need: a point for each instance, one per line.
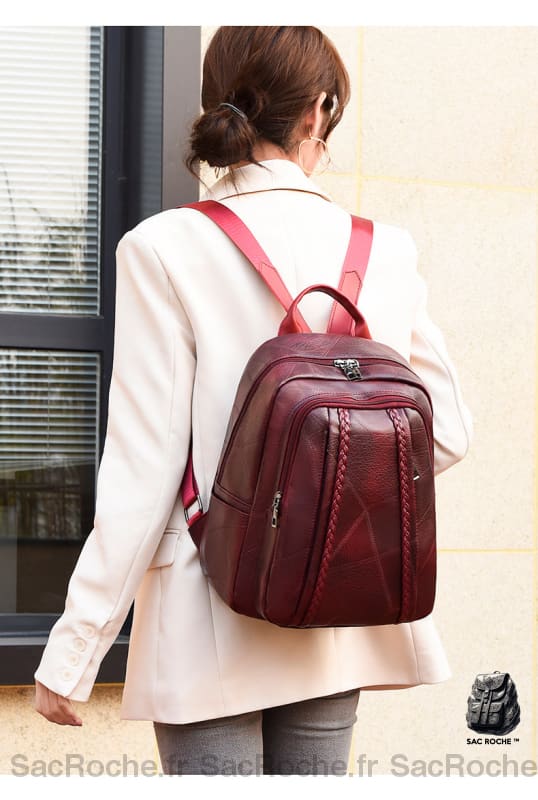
(199, 511)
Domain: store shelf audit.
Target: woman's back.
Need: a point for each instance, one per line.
(190, 310)
(221, 662)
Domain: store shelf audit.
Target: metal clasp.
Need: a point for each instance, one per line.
(349, 366)
(200, 509)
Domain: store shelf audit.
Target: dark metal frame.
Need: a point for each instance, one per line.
(151, 96)
(182, 55)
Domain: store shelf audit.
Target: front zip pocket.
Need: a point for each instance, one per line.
(301, 412)
(334, 369)
(313, 548)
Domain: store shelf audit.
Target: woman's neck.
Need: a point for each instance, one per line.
(266, 150)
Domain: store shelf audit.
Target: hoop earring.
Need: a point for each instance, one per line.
(326, 155)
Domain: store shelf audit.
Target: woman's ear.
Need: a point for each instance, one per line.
(316, 118)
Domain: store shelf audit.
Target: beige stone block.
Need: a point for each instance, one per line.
(103, 736)
(342, 189)
(344, 143)
(451, 104)
(484, 615)
(477, 251)
(207, 32)
(535, 675)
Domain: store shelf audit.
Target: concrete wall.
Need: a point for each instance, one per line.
(440, 137)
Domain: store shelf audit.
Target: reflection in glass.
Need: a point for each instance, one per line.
(48, 457)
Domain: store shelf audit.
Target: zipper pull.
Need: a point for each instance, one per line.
(350, 367)
(275, 508)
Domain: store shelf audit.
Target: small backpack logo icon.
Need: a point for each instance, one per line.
(492, 706)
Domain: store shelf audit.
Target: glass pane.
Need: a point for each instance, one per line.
(50, 168)
(49, 444)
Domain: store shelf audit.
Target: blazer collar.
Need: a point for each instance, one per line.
(281, 174)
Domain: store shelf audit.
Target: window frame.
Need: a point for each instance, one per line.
(137, 140)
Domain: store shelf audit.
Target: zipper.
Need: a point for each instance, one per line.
(321, 400)
(325, 361)
(350, 367)
(275, 508)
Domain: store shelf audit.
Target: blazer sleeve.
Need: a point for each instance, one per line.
(453, 427)
(144, 457)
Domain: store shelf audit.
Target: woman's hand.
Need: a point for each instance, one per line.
(54, 707)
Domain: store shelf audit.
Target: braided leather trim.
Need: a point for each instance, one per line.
(328, 547)
(405, 513)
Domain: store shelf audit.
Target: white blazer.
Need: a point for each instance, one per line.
(190, 310)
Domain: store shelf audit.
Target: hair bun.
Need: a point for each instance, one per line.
(222, 136)
(253, 100)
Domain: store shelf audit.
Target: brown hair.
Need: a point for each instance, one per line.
(274, 74)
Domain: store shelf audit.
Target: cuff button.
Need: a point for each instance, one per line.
(88, 630)
(79, 644)
(73, 659)
(66, 674)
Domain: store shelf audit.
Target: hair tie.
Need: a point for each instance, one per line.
(235, 109)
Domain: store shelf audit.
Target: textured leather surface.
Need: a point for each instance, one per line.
(492, 706)
(285, 434)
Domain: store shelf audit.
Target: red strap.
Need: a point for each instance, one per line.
(242, 237)
(353, 272)
(189, 489)
(351, 280)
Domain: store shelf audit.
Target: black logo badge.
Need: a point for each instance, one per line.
(492, 706)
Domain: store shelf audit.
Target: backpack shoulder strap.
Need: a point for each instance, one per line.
(351, 280)
(353, 272)
(244, 239)
(353, 268)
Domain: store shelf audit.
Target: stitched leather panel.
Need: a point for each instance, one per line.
(281, 439)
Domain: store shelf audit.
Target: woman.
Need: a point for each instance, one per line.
(222, 688)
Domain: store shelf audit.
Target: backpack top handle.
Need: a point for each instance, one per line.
(290, 325)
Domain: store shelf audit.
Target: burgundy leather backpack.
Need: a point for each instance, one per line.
(322, 510)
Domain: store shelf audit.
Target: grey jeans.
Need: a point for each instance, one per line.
(309, 737)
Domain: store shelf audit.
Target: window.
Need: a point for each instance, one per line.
(51, 143)
(89, 118)
(50, 140)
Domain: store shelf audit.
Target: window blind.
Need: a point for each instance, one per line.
(49, 406)
(49, 403)
(50, 169)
